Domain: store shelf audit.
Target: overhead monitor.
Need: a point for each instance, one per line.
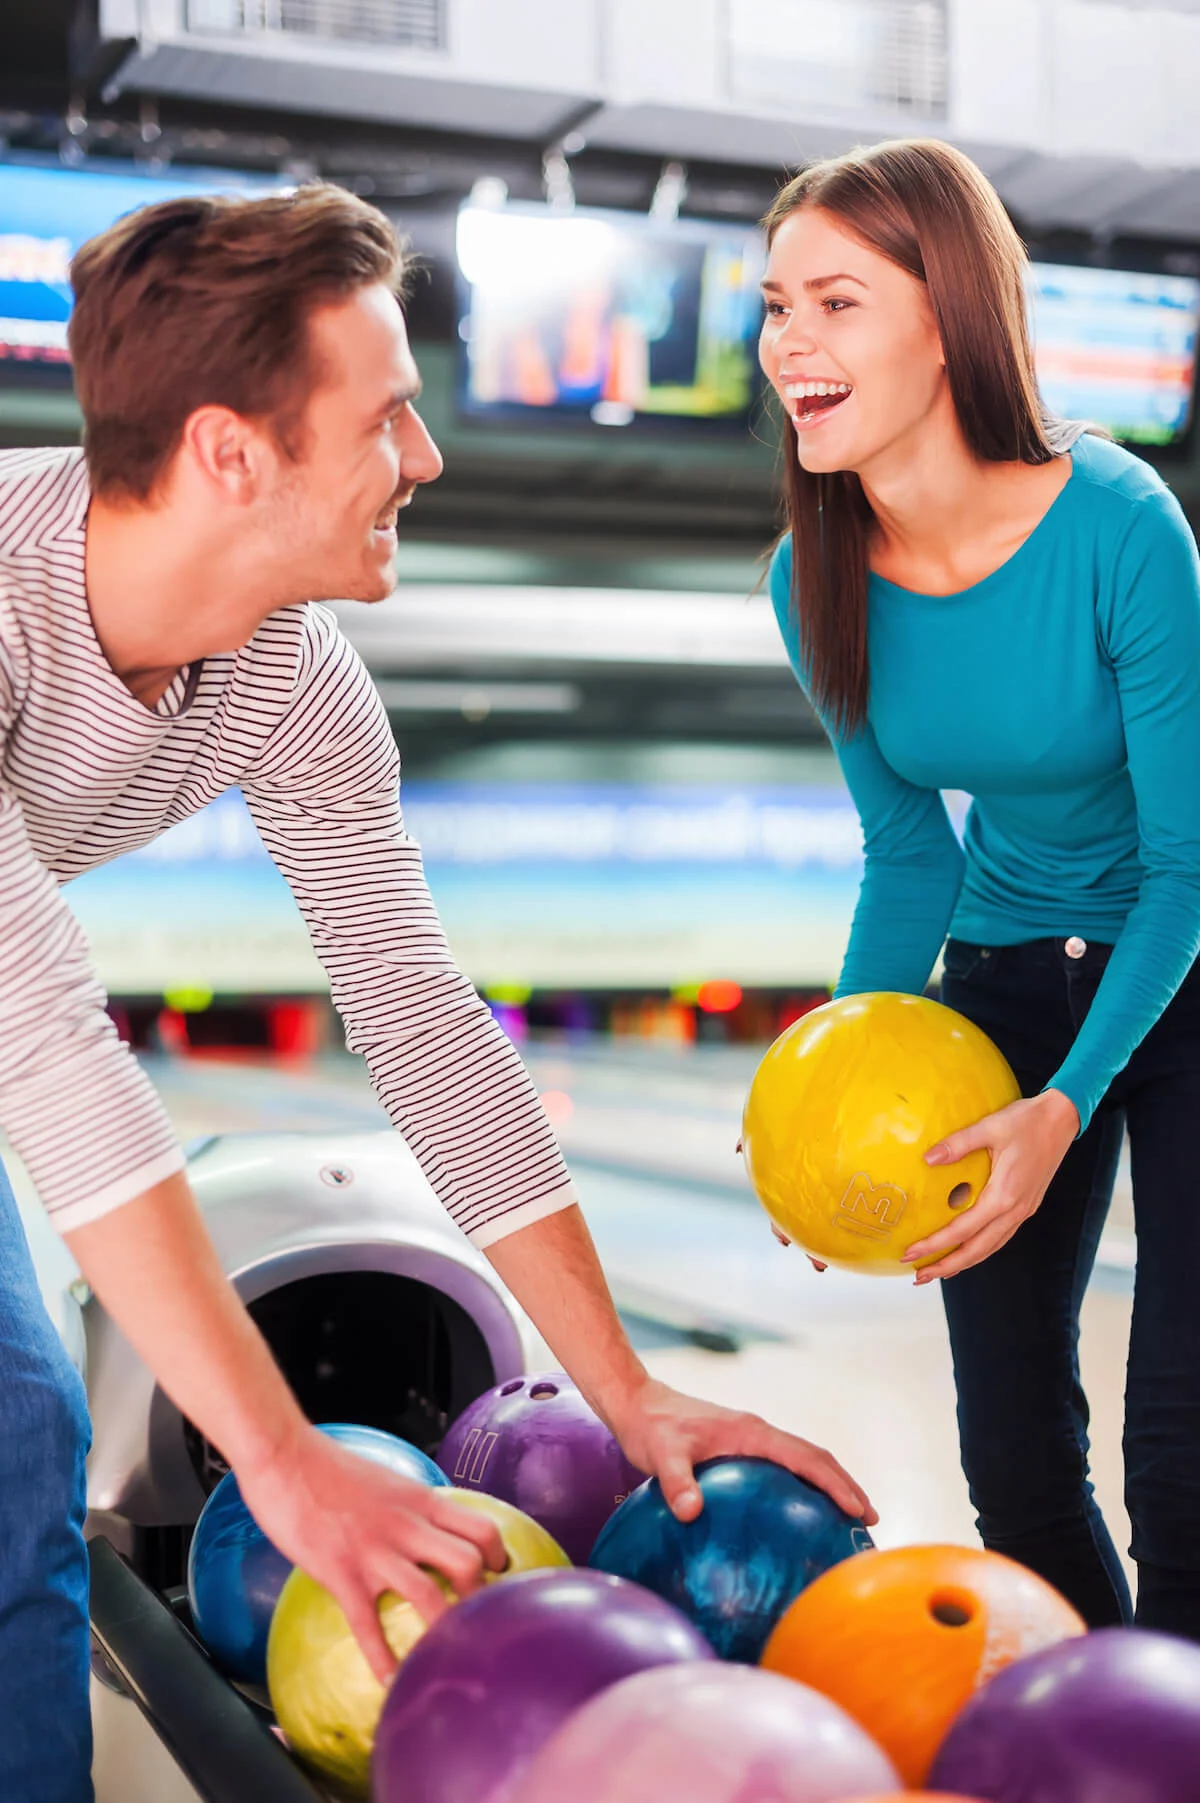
(46, 213)
(606, 317)
(1118, 347)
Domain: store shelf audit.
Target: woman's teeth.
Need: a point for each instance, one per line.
(812, 400)
(796, 391)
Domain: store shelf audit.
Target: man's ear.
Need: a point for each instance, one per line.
(227, 450)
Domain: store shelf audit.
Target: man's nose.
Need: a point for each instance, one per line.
(420, 457)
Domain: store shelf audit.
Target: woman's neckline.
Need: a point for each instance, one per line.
(1002, 569)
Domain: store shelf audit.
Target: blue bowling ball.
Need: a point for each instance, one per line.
(235, 1573)
(763, 1536)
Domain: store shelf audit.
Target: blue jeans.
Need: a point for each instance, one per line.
(1014, 1320)
(46, 1729)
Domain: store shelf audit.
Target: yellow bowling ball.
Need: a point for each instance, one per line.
(841, 1113)
(324, 1694)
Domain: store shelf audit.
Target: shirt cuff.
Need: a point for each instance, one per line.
(523, 1215)
(69, 1215)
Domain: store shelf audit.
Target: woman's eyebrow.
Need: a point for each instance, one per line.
(814, 282)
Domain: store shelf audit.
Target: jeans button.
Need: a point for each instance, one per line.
(1075, 948)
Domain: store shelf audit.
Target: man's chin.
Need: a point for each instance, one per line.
(367, 585)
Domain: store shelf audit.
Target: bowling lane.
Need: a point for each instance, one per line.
(860, 1366)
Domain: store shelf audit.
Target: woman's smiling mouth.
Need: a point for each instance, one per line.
(810, 403)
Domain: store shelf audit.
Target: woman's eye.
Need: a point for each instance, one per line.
(834, 303)
(775, 309)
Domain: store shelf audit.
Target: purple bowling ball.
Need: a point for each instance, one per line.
(1110, 1718)
(535, 1443)
(482, 1692)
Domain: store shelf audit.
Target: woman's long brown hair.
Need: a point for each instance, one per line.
(929, 209)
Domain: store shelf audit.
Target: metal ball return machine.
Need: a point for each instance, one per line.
(378, 1311)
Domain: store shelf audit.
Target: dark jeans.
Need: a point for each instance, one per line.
(1014, 1319)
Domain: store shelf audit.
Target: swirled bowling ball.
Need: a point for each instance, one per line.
(1115, 1715)
(762, 1536)
(535, 1442)
(235, 1574)
(489, 1684)
(325, 1696)
(714, 1733)
(841, 1112)
(903, 1639)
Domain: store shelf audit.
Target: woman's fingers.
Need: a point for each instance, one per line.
(973, 1254)
(785, 1241)
(965, 1227)
(993, 1131)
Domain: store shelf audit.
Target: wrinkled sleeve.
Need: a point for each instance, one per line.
(325, 798)
(913, 864)
(80, 1111)
(1149, 625)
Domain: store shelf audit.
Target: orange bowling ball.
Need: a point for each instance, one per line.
(902, 1639)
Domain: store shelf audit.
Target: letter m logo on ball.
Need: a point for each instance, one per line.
(870, 1210)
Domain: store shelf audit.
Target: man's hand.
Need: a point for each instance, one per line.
(552, 1269)
(1028, 1141)
(360, 1530)
(666, 1434)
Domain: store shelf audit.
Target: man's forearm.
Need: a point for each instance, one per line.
(155, 1269)
(553, 1271)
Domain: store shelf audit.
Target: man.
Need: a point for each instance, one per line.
(248, 393)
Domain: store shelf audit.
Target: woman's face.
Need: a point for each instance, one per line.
(849, 344)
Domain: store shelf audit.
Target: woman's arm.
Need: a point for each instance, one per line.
(1149, 622)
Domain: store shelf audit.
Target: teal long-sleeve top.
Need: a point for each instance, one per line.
(1062, 693)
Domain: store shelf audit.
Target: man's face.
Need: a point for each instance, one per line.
(365, 450)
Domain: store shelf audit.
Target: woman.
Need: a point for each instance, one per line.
(978, 598)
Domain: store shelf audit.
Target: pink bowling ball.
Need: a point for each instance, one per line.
(711, 1733)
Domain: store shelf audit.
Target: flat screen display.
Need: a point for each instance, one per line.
(549, 885)
(46, 213)
(1117, 347)
(606, 316)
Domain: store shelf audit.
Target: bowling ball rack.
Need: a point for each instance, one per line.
(221, 1743)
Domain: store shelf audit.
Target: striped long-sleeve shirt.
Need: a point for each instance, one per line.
(87, 772)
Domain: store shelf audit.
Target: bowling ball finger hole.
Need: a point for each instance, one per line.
(543, 1392)
(960, 1195)
(511, 1389)
(950, 1610)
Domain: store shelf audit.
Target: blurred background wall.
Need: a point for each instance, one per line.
(630, 819)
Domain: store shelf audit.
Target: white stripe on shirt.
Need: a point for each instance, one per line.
(88, 772)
